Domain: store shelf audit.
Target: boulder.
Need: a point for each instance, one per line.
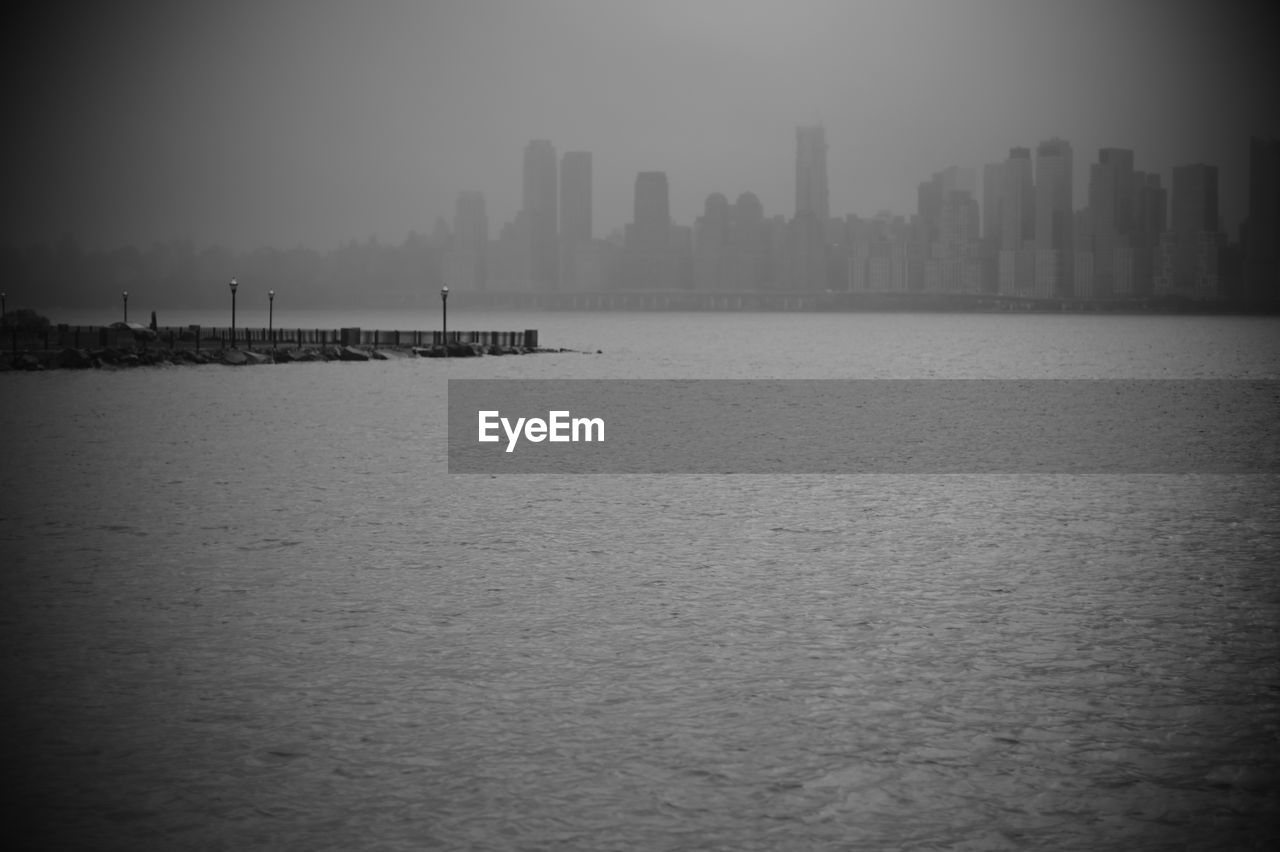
(74, 359)
(464, 350)
(234, 357)
(350, 353)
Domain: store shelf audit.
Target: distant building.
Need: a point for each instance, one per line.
(1055, 218)
(1112, 217)
(540, 210)
(712, 267)
(808, 228)
(1018, 201)
(1195, 199)
(650, 261)
(1015, 265)
(1197, 237)
(1260, 237)
(950, 221)
(750, 245)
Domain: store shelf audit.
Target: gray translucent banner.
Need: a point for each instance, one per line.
(872, 426)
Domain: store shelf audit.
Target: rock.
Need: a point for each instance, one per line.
(74, 359)
(27, 361)
(234, 357)
(376, 355)
(463, 350)
(252, 357)
(350, 353)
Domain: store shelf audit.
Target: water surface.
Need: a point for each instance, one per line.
(247, 607)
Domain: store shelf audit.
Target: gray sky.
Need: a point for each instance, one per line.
(283, 122)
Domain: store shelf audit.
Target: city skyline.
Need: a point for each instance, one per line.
(283, 124)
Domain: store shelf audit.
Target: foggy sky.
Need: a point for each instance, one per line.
(313, 122)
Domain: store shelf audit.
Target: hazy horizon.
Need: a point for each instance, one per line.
(288, 123)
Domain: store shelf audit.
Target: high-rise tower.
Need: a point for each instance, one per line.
(540, 209)
(1055, 215)
(1113, 215)
(811, 173)
(1261, 236)
(650, 262)
(808, 229)
(1194, 238)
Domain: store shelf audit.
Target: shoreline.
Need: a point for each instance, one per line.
(121, 357)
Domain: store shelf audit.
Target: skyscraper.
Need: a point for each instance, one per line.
(811, 173)
(1113, 215)
(575, 213)
(1261, 235)
(651, 219)
(1195, 198)
(1195, 239)
(1055, 215)
(650, 262)
(712, 265)
(1018, 201)
(540, 208)
(808, 229)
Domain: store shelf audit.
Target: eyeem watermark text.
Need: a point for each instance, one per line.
(559, 427)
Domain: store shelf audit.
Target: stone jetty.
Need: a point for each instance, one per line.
(112, 348)
(116, 358)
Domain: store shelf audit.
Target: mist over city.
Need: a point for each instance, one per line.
(655, 425)
(707, 146)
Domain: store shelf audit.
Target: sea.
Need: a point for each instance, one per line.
(250, 608)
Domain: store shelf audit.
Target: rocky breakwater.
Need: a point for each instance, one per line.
(112, 358)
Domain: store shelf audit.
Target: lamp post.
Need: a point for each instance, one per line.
(271, 312)
(125, 295)
(4, 314)
(444, 317)
(234, 284)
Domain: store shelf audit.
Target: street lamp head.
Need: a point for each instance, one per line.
(444, 292)
(234, 284)
(125, 294)
(271, 295)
